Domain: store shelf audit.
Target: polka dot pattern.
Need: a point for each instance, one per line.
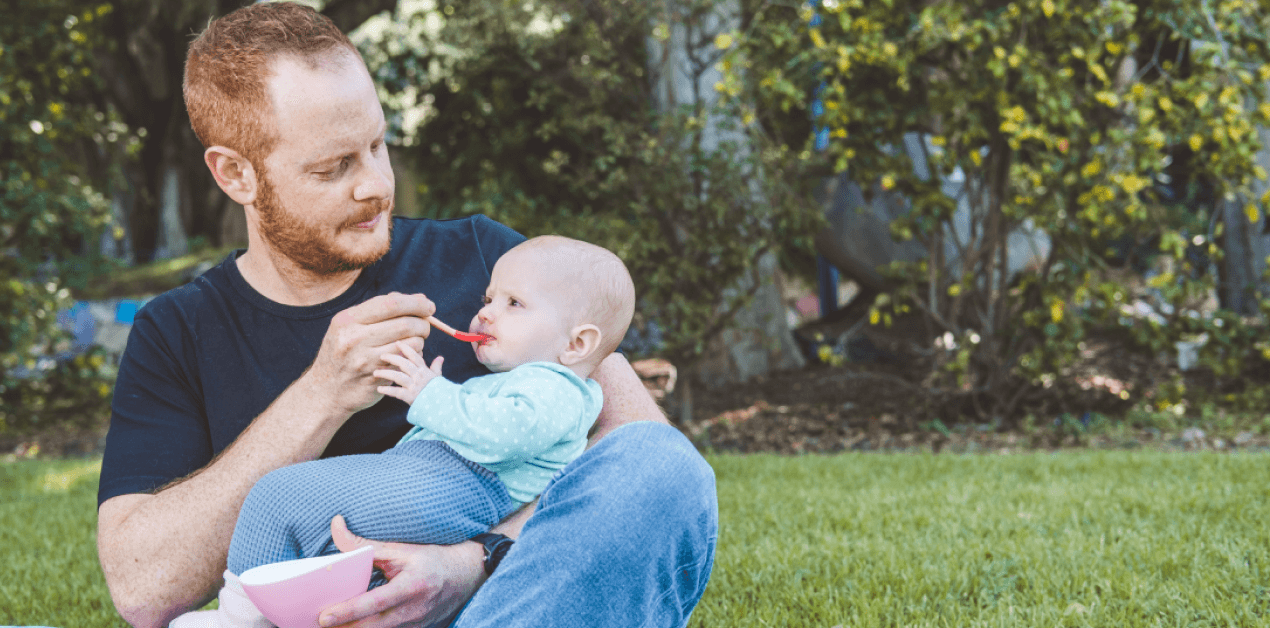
(524, 424)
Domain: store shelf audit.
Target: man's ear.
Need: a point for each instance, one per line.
(234, 174)
(585, 340)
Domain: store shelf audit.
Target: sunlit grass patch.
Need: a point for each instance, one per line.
(1090, 539)
(48, 520)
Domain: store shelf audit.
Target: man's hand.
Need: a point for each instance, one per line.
(350, 352)
(427, 584)
(410, 376)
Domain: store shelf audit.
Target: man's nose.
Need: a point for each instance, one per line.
(376, 181)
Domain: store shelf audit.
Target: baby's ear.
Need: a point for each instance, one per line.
(583, 343)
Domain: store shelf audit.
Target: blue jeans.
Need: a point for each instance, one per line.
(623, 536)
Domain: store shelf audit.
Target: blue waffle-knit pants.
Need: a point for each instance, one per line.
(417, 492)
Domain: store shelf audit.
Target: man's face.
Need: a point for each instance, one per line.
(325, 193)
(527, 314)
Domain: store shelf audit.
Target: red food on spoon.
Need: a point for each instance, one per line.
(458, 335)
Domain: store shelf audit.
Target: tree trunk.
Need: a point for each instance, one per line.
(759, 340)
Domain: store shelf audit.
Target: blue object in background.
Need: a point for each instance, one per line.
(822, 138)
(80, 323)
(826, 274)
(815, 17)
(126, 311)
(827, 278)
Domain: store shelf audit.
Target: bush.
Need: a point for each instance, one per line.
(1062, 116)
(543, 116)
(50, 130)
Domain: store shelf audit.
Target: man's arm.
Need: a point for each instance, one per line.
(164, 553)
(625, 398)
(429, 584)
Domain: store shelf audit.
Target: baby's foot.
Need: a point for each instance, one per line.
(236, 610)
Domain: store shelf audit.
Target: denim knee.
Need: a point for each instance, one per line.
(623, 536)
(647, 464)
(647, 482)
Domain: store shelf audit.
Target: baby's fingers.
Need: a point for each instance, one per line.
(396, 393)
(405, 365)
(436, 365)
(410, 353)
(394, 376)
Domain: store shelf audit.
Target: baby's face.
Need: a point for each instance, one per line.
(526, 314)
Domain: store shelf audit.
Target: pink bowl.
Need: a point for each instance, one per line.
(292, 593)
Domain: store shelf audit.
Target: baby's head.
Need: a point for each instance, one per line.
(554, 299)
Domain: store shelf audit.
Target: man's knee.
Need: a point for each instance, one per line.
(643, 471)
(645, 501)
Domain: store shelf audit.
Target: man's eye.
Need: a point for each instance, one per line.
(332, 173)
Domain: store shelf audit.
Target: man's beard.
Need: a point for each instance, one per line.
(308, 245)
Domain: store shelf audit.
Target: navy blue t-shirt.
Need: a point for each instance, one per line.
(205, 359)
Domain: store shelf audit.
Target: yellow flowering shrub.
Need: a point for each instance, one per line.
(1083, 120)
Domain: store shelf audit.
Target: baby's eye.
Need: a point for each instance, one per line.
(486, 300)
(513, 302)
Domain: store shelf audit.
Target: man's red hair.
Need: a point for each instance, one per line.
(227, 70)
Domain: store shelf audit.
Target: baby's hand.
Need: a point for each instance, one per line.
(413, 375)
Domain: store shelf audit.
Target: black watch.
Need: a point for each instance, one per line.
(496, 546)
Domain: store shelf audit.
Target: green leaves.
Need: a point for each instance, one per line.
(556, 130)
(51, 129)
(1093, 128)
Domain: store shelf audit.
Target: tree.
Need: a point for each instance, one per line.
(53, 129)
(1058, 115)
(545, 116)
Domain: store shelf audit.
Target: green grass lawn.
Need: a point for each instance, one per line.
(48, 522)
(1077, 539)
(1088, 539)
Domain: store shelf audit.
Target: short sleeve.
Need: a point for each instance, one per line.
(158, 431)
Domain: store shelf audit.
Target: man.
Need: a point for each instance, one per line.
(267, 360)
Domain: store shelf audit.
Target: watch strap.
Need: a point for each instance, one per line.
(496, 546)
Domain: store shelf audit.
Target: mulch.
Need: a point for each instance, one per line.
(864, 408)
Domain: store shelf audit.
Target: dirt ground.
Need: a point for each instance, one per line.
(876, 403)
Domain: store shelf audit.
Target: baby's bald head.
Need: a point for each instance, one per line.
(593, 280)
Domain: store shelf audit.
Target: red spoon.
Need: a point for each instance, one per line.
(458, 335)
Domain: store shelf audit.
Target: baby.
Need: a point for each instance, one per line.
(554, 309)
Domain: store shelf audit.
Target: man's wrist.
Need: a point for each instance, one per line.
(317, 398)
(495, 548)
